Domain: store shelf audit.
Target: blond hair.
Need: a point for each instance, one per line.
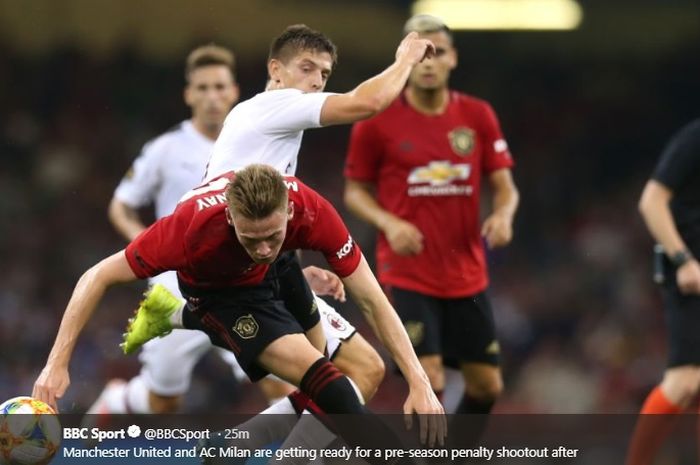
(209, 55)
(256, 192)
(426, 24)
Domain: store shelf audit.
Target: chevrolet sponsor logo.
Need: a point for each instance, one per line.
(439, 173)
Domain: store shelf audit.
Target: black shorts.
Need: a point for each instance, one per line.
(461, 330)
(291, 287)
(246, 319)
(682, 319)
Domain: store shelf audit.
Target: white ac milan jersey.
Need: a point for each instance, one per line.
(168, 167)
(268, 129)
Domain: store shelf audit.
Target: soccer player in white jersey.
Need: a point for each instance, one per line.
(167, 168)
(268, 127)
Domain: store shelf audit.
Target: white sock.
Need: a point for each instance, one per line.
(114, 396)
(308, 433)
(282, 407)
(137, 395)
(274, 400)
(176, 317)
(360, 397)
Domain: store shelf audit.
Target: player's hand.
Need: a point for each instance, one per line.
(431, 414)
(51, 385)
(497, 230)
(324, 282)
(688, 277)
(413, 49)
(403, 237)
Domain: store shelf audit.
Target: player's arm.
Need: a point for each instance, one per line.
(368, 296)
(324, 282)
(375, 94)
(498, 226)
(54, 379)
(404, 238)
(654, 205)
(125, 219)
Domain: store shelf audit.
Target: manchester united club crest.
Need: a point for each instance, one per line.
(461, 141)
(246, 327)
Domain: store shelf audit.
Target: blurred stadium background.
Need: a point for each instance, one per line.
(84, 84)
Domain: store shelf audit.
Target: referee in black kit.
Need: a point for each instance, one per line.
(670, 206)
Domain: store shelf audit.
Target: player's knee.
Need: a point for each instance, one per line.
(486, 390)
(374, 370)
(164, 404)
(682, 384)
(364, 366)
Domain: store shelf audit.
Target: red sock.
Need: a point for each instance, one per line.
(653, 427)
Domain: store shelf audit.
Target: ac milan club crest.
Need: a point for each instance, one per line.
(337, 323)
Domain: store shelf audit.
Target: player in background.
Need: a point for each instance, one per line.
(414, 172)
(168, 167)
(670, 206)
(222, 240)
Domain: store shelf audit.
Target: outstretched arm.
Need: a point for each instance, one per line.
(376, 93)
(54, 379)
(367, 294)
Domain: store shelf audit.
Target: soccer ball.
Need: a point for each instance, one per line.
(29, 432)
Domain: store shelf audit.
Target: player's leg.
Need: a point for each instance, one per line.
(351, 352)
(353, 356)
(166, 373)
(422, 318)
(470, 342)
(294, 359)
(272, 388)
(681, 380)
(266, 338)
(658, 413)
(167, 365)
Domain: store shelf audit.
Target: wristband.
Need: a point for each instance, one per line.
(680, 258)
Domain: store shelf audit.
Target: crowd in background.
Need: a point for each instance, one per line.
(579, 318)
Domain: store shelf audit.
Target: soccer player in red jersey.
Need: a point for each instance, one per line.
(222, 239)
(414, 172)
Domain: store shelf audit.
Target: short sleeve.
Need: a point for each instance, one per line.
(159, 248)
(290, 110)
(496, 152)
(681, 157)
(330, 236)
(364, 153)
(139, 185)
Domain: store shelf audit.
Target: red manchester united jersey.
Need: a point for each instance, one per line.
(197, 241)
(427, 170)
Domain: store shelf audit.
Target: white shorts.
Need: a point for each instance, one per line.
(167, 362)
